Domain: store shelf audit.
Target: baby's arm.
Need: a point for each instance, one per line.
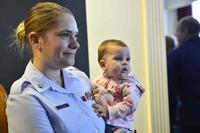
(100, 109)
(130, 99)
(97, 87)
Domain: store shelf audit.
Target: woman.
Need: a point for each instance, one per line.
(50, 98)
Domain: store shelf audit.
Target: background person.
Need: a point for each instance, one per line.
(170, 44)
(183, 76)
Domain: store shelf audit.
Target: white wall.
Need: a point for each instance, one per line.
(170, 20)
(120, 19)
(174, 4)
(195, 10)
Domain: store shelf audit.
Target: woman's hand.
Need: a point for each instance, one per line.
(101, 111)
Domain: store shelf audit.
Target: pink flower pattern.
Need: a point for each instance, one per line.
(121, 96)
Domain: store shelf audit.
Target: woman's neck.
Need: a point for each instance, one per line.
(53, 74)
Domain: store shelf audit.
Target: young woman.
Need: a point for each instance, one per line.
(49, 98)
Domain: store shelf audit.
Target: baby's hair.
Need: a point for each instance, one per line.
(38, 19)
(104, 45)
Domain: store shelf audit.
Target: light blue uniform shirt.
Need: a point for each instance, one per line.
(38, 105)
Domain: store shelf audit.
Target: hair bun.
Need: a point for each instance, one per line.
(20, 33)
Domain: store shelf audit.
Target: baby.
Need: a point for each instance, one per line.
(115, 91)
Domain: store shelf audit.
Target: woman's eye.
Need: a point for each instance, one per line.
(68, 35)
(64, 34)
(76, 36)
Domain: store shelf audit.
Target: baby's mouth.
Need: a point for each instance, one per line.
(124, 70)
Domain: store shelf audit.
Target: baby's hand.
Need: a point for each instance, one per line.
(95, 94)
(101, 110)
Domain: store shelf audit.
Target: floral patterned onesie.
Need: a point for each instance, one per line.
(121, 97)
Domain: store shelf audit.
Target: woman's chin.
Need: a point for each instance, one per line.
(70, 63)
(66, 63)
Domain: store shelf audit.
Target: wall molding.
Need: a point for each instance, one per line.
(156, 61)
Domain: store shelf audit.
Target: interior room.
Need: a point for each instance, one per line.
(142, 24)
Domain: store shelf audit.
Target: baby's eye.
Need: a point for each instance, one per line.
(128, 59)
(118, 58)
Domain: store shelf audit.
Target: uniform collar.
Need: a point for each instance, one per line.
(41, 83)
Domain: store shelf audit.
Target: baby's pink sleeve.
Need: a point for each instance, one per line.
(130, 99)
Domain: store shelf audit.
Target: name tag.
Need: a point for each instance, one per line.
(62, 106)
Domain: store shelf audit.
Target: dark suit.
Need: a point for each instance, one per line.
(184, 80)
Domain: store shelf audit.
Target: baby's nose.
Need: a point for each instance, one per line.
(124, 62)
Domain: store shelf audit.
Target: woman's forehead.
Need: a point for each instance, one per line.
(65, 22)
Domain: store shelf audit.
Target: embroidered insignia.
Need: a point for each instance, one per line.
(87, 96)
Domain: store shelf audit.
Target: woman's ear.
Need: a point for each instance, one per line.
(33, 39)
(102, 64)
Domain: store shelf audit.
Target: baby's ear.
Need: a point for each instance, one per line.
(102, 64)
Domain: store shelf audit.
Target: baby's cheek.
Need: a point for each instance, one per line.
(116, 69)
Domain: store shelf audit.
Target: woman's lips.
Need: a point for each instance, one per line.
(68, 53)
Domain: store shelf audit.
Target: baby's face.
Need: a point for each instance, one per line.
(117, 62)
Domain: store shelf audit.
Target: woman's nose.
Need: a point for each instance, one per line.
(74, 44)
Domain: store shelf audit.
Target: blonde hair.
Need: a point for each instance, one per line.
(38, 19)
(104, 46)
